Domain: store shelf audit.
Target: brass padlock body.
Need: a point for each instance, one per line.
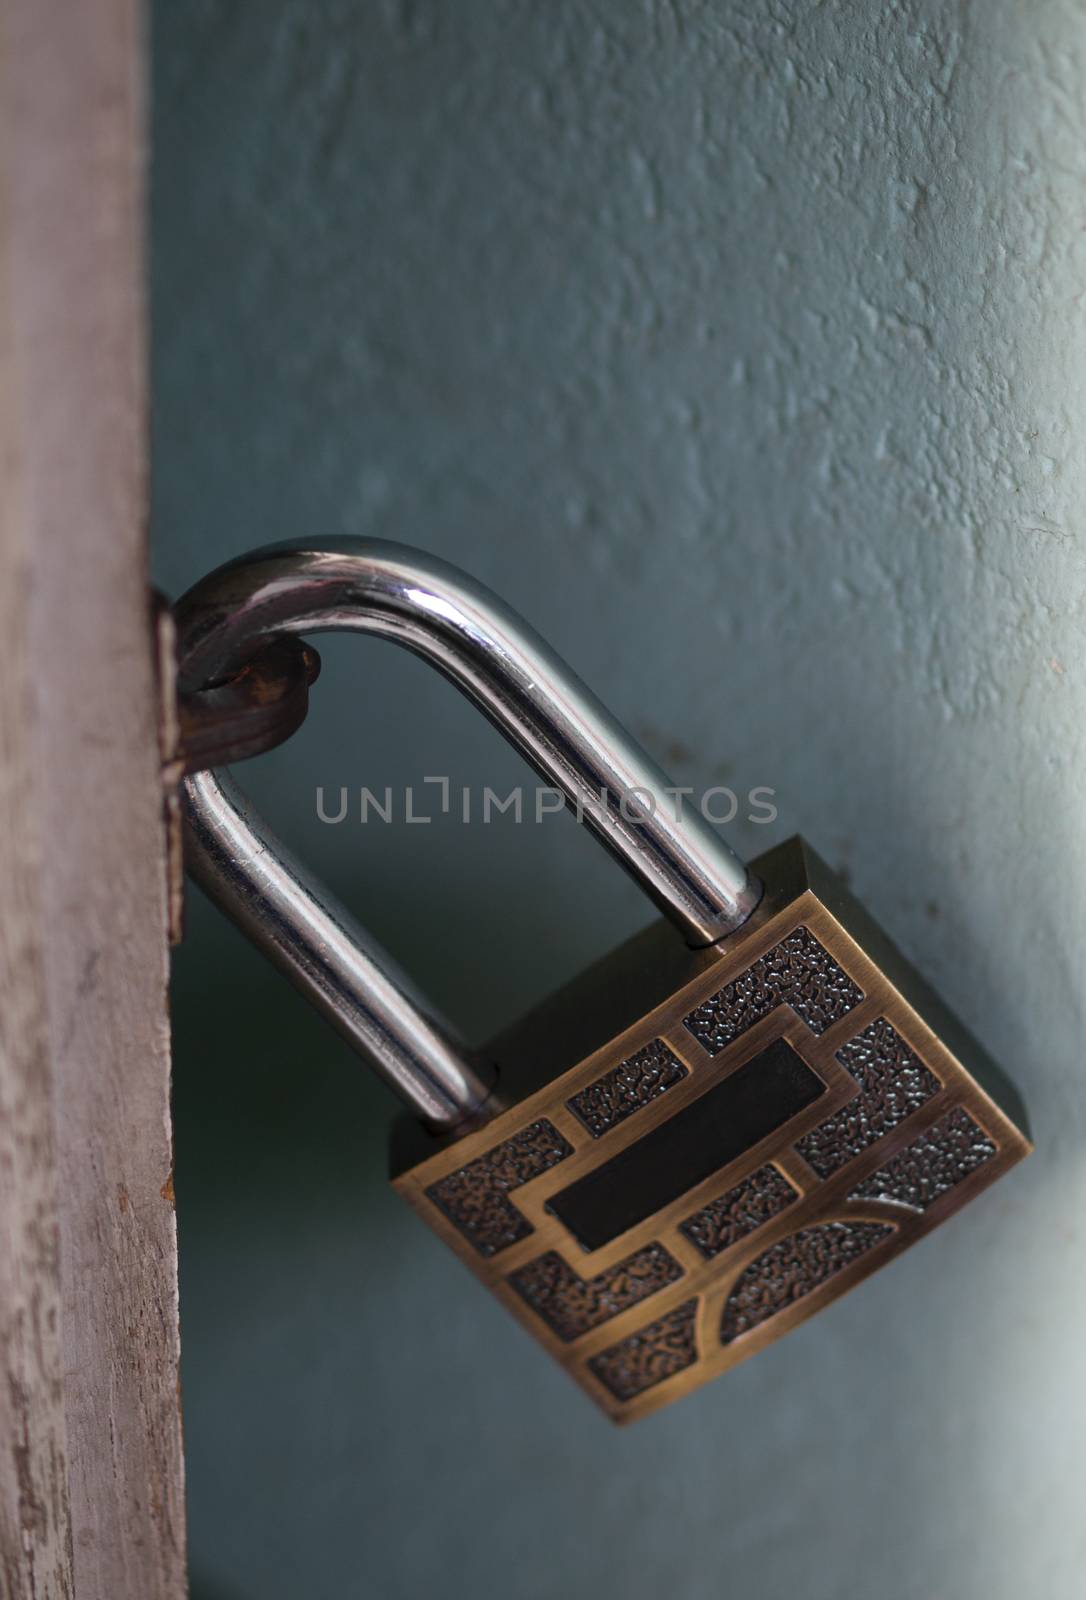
(699, 1149)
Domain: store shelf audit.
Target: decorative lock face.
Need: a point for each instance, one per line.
(784, 1123)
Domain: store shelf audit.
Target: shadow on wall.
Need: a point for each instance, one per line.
(203, 1589)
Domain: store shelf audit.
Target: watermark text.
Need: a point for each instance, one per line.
(419, 804)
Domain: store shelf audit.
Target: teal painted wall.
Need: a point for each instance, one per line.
(740, 347)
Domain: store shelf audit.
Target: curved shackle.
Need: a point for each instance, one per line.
(543, 709)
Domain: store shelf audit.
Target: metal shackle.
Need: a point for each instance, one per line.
(543, 709)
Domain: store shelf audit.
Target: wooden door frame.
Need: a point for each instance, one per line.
(91, 1486)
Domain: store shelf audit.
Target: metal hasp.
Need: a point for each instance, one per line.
(253, 711)
(543, 709)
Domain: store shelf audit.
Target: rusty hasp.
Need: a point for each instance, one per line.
(252, 711)
(243, 714)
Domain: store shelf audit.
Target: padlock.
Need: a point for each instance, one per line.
(703, 1140)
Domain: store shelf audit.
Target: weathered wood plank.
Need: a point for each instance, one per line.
(91, 1500)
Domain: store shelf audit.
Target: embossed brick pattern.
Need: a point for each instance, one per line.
(893, 1082)
(649, 1356)
(724, 1221)
(634, 1083)
(938, 1161)
(571, 1305)
(793, 1268)
(475, 1196)
(797, 972)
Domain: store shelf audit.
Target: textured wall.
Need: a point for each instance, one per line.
(741, 346)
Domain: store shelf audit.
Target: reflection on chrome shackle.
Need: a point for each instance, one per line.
(512, 675)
